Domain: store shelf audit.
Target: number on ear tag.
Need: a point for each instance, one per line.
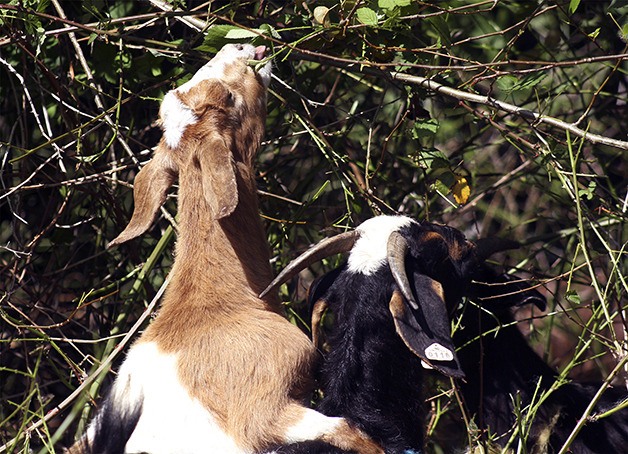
(437, 352)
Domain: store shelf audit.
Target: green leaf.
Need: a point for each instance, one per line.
(594, 34)
(240, 33)
(573, 6)
(589, 191)
(231, 32)
(422, 128)
(216, 32)
(445, 177)
(391, 4)
(572, 297)
(387, 4)
(367, 16)
(531, 80)
(507, 82)
(219, 35)
(268, 29)
(433, 159)
(440, 186)
(120, 9)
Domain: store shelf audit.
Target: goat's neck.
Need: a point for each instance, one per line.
(221, 257)
(506, 358)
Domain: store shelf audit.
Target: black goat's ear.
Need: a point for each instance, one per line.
(426, 330)
(316, 299)
(521, 294)
(318, 309)
(321, 284)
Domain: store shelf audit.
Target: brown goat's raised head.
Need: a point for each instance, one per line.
(212, 125)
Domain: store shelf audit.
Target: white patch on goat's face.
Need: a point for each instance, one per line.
(311, 426)
(176, 116)
(370, 251)
(171, 420)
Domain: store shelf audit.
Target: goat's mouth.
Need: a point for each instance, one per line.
(262, 64)
(260, 53)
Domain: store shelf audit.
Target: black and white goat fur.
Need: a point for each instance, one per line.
(372, 374)
(390, 304)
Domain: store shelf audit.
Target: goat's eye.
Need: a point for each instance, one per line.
(239, 46)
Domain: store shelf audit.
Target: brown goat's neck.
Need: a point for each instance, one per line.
(221, 257)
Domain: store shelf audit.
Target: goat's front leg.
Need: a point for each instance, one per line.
(307, 424)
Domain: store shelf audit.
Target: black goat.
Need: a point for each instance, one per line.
(370, 378)
(391, 323)
(500, 365)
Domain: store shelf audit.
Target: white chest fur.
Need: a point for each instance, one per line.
(171, 421)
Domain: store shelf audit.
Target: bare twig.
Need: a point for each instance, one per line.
(510, 108)
(585, 415)
(92, 84)
(105, 364)
(429, 84)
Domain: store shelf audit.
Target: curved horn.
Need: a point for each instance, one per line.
(329, 246)
(396, 251)
(486, 247)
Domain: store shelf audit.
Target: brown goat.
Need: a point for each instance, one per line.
(219, 370)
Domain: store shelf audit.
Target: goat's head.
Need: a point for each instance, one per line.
(432, 266)
(212, 125)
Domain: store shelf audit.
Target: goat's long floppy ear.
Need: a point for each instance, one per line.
(149, 193)
(218, 177)
(421, 322)
(426, 331)
(205, 94)
(213, 156)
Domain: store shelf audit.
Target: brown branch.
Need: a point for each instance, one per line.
(527, 114)
(429, 84)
